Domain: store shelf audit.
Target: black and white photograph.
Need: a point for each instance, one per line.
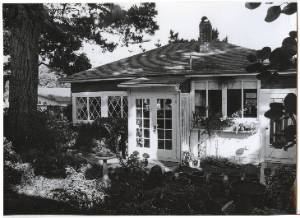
(149, 108)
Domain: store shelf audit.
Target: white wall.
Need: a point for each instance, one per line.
(225, 144)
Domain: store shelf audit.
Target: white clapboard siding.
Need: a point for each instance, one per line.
(185, 120)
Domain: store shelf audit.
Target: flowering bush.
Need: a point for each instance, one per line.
(211, 123)
(80, 192)
(244, 126)
(133, 161)
(188, 157)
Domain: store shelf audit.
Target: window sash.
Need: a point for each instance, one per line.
(237, 84)
(101, 98)
(117, 106)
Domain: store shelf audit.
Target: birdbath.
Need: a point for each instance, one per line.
(104, 159)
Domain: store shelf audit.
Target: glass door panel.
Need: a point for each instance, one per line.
(164, 124)
(143, 122)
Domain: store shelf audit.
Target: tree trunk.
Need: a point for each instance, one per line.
(24, 50)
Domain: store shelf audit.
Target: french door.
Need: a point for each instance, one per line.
(155, 126)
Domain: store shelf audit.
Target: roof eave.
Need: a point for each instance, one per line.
(94, 80)
(146, 85)
(235, 74)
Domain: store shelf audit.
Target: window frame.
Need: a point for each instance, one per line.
(104, 102)
(215, 85)
(122, 112)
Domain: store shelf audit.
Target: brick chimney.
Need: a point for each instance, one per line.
(205, 34)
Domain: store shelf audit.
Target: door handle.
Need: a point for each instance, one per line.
(154, 128)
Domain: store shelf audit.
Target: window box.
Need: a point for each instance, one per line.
(228, 125)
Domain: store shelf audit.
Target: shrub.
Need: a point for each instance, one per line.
(79, 192)
(133, 161)
(44, 131)
(106, 131)
(46, 145)
(115, 132)
(35, 134)
(65, 133)
(130, 192)
(15, 172)
(219, 162)
(52, 164)
(188, 157)
(279, 189)
(67, 111)
(87, 134)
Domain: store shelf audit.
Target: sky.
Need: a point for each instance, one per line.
(242, 26)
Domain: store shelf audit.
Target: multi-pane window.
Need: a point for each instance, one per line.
(250, 103)
(235, 100)
(90, 108)
(117, 106)
(143, 122)
(124, 106)
(232, 98)
(215, 103)
(94, 108)
(81, 108)
(200, 102)
(164, 123)
(211, 106)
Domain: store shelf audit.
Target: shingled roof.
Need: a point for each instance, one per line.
(172, 59)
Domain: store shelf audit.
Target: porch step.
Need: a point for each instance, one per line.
(165, 165)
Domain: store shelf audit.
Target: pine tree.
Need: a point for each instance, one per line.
(52, 33)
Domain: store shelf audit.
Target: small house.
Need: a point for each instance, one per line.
(54, 97)
(162, 92)
(54, 100)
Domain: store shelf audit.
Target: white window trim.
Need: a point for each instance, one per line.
(224, 95)
(104, 103)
